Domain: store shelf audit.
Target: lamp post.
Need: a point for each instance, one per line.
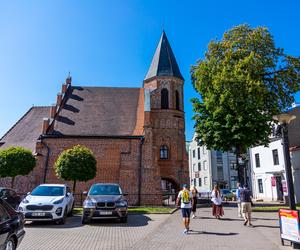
(284, 120)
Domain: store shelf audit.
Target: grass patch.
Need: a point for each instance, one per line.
(269, 209)
(138, 210)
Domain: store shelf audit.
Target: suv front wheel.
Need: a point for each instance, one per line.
(123, 219)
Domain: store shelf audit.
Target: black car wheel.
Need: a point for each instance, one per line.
(62, 221)
(123, 219)
(10, 244)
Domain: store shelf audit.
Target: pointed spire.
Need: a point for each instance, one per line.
(163, 62)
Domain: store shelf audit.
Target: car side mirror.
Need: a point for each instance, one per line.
(68, 194)
(85, 193)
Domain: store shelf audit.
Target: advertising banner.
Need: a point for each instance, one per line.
(289, 225)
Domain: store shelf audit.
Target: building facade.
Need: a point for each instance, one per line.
(210, 167)
(136, 134)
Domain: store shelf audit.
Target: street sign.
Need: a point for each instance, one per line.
(289, 225)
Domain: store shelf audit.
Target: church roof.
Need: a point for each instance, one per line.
(163, 62)
(101, 111)
(27, 130)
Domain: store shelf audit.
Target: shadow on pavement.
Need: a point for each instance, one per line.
(136, 220)
(265, 226)
(212, 233)
(71, 222)
(263, 219)
(213, 218)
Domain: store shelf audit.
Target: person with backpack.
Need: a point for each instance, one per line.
(194, 191)
(185, 200)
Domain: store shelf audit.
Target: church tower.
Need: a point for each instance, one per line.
(164, 121)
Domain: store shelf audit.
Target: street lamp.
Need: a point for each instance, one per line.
(284, 120)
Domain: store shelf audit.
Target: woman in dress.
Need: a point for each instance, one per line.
(217, 208)
(195, 196)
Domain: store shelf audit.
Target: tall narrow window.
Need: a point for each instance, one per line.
(275, 157)
(198, 149)
(177, 100)
(164, 152)
(257, 161)
(164, 99)
(260, 186)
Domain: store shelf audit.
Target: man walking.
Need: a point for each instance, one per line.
(185, 200)
(238, 199)
(246, 205)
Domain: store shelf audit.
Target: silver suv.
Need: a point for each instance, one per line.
(104, 201)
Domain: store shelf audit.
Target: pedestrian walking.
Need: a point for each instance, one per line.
(246, 205)
(238, 199)
(217, 208)
(185, 200)
(195, 197)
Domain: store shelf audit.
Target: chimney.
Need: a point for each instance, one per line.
(45, 125)
(52, 111)
(63, 88)
(58, 99)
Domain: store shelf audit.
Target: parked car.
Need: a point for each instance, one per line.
(48, 202)
(105, 200)
(10, 196)
(226, 194)
(11, 226)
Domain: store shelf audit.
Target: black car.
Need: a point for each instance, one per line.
(11, 226)
(10, 196)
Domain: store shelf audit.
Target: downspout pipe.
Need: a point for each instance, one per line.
(140, 172)
(47, 161)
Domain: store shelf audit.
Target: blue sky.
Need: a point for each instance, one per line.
(111, 43)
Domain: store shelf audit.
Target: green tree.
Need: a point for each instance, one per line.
(16, 161)
(76, 164)
(243, 80)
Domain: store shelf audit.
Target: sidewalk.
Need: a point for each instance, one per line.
(209, 233)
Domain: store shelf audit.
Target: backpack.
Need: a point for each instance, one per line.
(185, 197)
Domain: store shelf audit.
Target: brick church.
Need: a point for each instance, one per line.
(137, 135)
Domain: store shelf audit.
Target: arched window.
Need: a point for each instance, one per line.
(164, 99)
(177, 100)
(164, 152)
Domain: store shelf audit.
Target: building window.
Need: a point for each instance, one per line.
(164, 99)
(275, 157)
(194, 153)
(205, 180)
(200, 182)
(195, 182)
(204, 165)
(220, 172)
(177, 100)
(257, 161)
(199, 166)
(233, 165)
(260, 186)
(194, 167)
(164, 152)
(198, 151)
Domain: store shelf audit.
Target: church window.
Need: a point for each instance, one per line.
(177, 100)
(164, 152)
(164, 99)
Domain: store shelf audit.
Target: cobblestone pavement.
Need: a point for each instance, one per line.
(158, 232)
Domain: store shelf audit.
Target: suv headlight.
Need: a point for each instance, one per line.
(89, 203)
(58, 201)
(25, 201)
(121, 203)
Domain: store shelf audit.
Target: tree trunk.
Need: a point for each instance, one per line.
(240, 170)
(12, 181)
(74, 186)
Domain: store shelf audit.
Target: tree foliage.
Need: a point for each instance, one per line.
(76, 164)
(16, 161)
(243, 80)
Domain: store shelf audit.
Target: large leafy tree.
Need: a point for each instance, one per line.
(16, 161)
(243, 80)
(76, 164)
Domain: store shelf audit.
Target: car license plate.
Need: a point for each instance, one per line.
(38, 214)
(105, 213)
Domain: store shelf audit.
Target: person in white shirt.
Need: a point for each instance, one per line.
(217, 208)
(185, 200)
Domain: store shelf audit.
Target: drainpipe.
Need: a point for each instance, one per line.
(47, 159)
(140, 173)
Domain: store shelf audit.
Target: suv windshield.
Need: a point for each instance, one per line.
(101, 189)
(48, 191)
